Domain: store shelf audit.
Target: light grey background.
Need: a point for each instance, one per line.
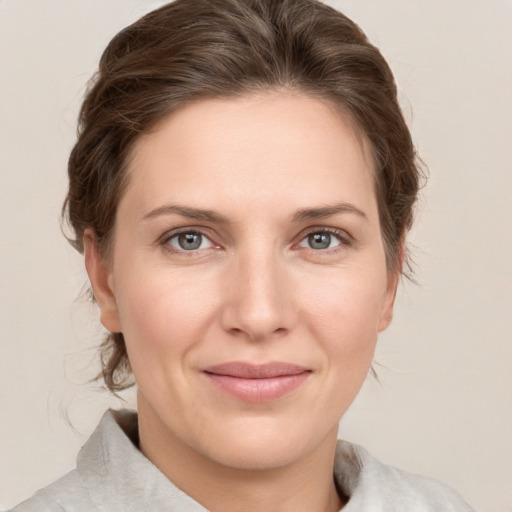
(444, 407)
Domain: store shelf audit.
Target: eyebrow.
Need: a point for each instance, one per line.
(185, 211)
(327, 211)
(214, 217)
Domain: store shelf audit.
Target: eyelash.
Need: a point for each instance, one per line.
(167, 237)
(343, 237)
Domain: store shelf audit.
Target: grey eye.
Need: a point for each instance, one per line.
(189, 241)
(319, 240)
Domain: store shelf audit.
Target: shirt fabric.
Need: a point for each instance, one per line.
(112, 475)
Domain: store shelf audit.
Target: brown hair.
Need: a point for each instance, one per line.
(193, 49)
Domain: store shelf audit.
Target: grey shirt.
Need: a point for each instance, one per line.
(112, 475)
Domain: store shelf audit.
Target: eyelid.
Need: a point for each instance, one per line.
(163, 240)
(345, 238)
(342, 233)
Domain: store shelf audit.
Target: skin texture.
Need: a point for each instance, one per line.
(254, 291)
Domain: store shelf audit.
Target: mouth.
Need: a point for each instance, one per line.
(257, 383)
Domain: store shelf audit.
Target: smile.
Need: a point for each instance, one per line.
(257, 383)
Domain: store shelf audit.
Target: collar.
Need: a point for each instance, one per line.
(119, 477)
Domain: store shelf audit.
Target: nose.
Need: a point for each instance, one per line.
(259, 300)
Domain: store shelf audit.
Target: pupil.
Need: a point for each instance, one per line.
(319, 240)
(189, 241)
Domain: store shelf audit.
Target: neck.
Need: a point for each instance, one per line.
(304, 485)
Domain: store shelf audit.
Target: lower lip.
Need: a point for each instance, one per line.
(258, 390)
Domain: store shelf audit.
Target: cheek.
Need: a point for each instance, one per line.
(344, 316)
(354, 299)
(163, 315)
(341, 315)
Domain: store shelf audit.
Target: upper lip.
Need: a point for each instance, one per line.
(244, 370)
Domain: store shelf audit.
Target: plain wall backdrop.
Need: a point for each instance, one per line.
(444, 404)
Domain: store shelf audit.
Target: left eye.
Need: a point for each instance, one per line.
(321, 240)
(189, 241)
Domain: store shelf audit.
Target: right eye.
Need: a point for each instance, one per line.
(189, 241)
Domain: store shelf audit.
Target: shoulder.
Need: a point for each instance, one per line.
(73, 491)
(375, 486)
(68, 493)
(111, 475)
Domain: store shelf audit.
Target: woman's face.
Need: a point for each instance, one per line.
(248, 277)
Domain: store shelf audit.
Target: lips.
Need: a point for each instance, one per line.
(257, 383)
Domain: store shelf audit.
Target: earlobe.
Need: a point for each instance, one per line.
(100, 277)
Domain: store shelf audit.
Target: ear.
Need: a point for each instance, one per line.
(389, 300)
(393, 278)
(100, 276)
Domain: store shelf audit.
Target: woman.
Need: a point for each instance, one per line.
(241, 189)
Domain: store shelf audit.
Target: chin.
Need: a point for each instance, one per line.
(261, 444)
(257, 456)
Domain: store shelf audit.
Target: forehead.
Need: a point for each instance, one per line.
(268, 148)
